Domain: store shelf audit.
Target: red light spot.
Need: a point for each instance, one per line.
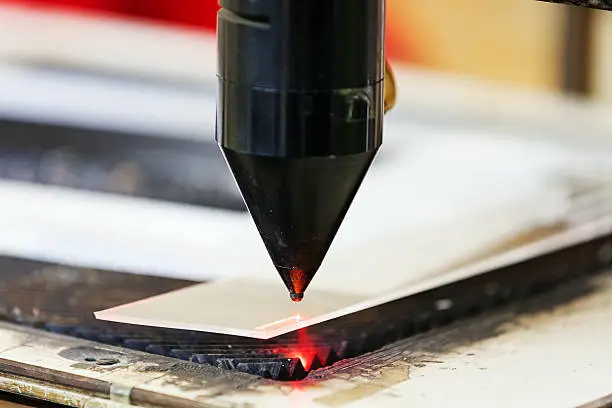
(298, 397)
(304, 350)
(297, 386)
(306, 357)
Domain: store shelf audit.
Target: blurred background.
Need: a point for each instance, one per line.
(524, 43)
(107, 117)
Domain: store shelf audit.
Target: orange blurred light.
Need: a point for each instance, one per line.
(306, 357)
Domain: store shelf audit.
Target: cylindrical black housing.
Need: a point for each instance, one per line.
(300, 78)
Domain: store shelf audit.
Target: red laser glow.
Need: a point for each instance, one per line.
(305, 350)
(298, 396)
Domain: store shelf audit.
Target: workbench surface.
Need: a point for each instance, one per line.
(552, 350)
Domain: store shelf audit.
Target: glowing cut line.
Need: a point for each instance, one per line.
(291, 319)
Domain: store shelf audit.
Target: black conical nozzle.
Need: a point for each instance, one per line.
(299, 117)
(298, 205)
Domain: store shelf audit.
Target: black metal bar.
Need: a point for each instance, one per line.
(595, 4)
(577, 51)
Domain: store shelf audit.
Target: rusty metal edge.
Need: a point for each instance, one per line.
(87, 386)
(48, 392)
(96, 387)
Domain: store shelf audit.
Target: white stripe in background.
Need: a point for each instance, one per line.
(128, 46)
(124, 233)
(429, 185)
(56, 98)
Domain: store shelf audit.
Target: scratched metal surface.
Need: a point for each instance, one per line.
(596, 4)
(553, 347)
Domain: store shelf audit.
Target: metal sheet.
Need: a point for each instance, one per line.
(258, 306)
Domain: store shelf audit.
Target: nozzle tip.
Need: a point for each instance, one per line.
(297, 297)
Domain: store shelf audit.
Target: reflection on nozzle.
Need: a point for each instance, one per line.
(296, 281)
(296, 297)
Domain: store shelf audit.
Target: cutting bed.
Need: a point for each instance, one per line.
(62, 299)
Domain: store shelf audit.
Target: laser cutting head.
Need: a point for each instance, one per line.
(299, 117)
